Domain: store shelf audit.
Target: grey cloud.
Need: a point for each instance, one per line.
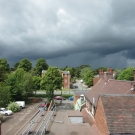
(69, 32)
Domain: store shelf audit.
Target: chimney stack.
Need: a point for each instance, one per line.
(101, 73)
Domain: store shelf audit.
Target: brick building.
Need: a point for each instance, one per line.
(115, 114)
(109, 74)
(92, 112)
(66, 79)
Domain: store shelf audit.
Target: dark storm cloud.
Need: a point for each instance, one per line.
(70, 32)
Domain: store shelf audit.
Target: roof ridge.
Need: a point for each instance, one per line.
(117, 95)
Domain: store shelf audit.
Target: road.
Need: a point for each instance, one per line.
(76, 86)
(57, 92)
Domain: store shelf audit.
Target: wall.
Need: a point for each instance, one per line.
(75, 98)
(100, 119)
(66, 81)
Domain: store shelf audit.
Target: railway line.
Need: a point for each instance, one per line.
(40, 123)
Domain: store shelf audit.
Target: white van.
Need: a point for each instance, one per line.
(21, 103)
(81, 81)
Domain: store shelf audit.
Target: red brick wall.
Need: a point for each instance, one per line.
(100, 119)
(66, 81)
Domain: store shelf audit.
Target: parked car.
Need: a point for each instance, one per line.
(59, 98)
(75, 86)
(21, 104)
(71, 98)
(5, 111)
(43, 106)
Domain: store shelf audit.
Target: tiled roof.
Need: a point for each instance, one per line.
(87, 118)
(108, 87)
(119, 112)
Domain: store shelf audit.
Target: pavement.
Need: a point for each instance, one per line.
(14, 122)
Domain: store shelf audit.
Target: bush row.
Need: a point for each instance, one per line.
(44, 95)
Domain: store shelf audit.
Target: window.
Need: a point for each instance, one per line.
(76, 119)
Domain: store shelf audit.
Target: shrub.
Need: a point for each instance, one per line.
(64, 95)
(13, 107)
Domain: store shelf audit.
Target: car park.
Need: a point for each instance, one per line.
(5, 111)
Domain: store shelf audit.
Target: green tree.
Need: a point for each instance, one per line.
(52, 80)
(49, 92)
(88, 77)
(16, 65)
(41, 65)
(84, 71)
(78, 70)
(25, 64)
(5, 64)
(21, 84)
(117, 73)
(5, 95)
(126, 74)
(3, 74)
(36, 83)
(27, 85)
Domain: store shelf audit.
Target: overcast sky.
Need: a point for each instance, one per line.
(69, 32)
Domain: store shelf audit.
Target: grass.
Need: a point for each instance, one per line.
(44, 95)
(54, 90)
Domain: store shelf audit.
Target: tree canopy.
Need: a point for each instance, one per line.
(20, 83)
(4, 94)
(36, 83)
(87, 76)
(126, 74)
(3, 74)
(41, 65)
(5, 64)
(25, 64)
(52, 80)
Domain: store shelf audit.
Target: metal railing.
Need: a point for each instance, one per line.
(32, 122)
(50, 114)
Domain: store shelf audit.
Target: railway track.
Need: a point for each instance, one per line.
(40, 124)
